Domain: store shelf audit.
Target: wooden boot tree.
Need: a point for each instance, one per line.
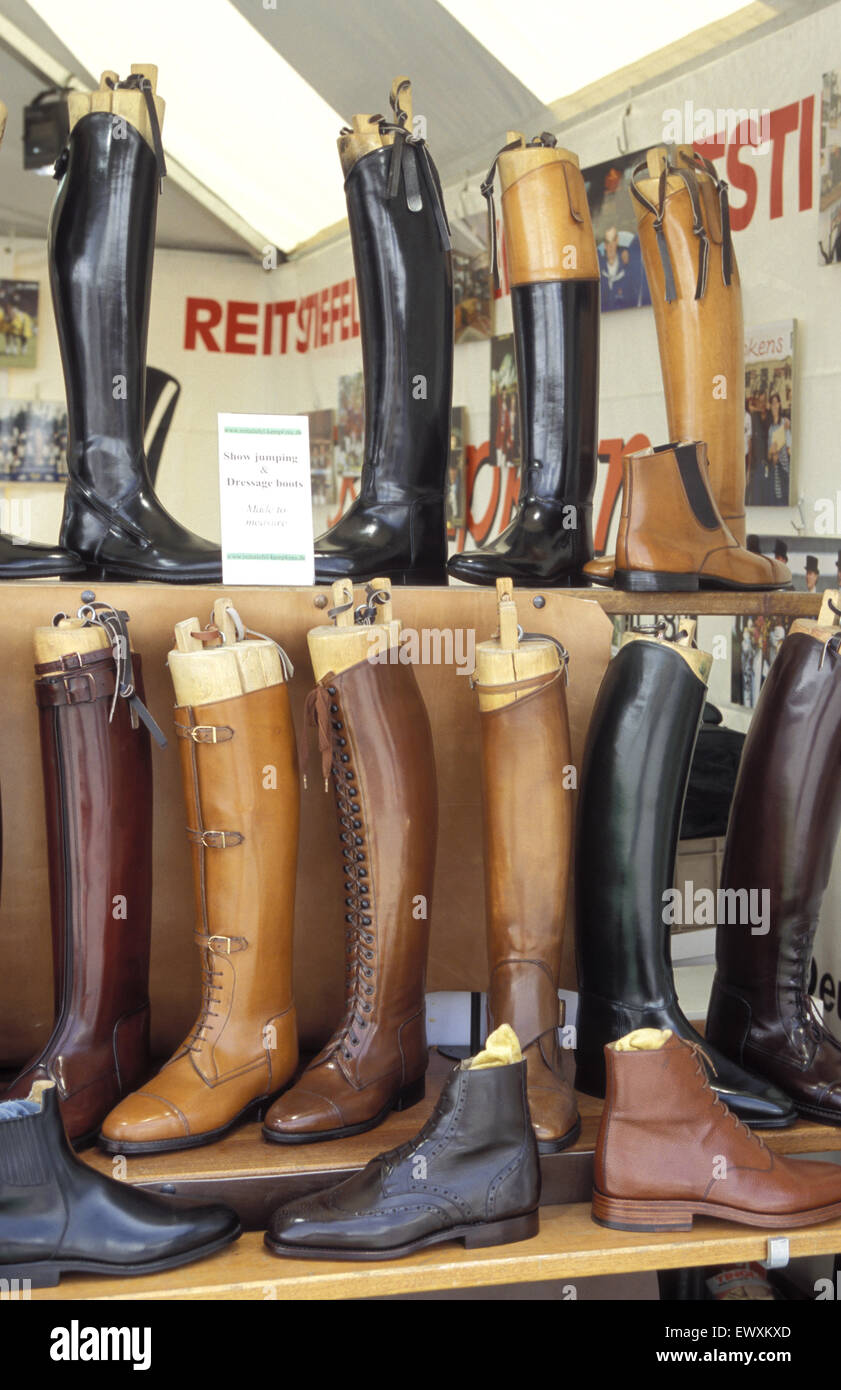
(364, 134)
(505, 659)
(335, 648)
(125, 102)
(214, 664)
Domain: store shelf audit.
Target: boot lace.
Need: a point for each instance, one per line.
(196, 1039)
(704, 1071)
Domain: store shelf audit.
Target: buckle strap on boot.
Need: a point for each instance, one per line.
(136, 82)
(205, 733)
(215, 839)
(229, 944)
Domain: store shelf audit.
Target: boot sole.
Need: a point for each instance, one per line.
(624, 1214)
(556, 1146)
(417, 578)
(484, 1233)
(405, 1099)
(46, 1274)
(660, 582)
(115, 575)
(255, 1109)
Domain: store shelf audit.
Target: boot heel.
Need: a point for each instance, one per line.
(655, 582)
(624, 1214)
(410, 1095)
(503, 1232)
(17, 1280)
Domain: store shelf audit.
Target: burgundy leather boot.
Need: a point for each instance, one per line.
(783, 828)
(98, 794)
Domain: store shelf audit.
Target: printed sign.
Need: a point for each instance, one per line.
(264, 482)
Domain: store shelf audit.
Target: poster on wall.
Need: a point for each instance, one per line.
(350, 426)
(33, 441)
(505, 407)
(769, 373)
(608, 185)
(471, 277)
(322, 462)
(829, 202)
(18, 323)
(457, 470)
(756, 640)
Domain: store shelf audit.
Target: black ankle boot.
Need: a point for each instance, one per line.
(101, 246)
(401, 253)
(29, 560)
(633, 783)
(59, 1216)
(472, 1173)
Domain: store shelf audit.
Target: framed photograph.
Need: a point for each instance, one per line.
(456, 470)
(471, 276)
(769, 377)
(623, 281)
(350, 426)
(755, 644)
(322, 461)
(505, 406)
(18, 323)
(33, 441)
(829, 201)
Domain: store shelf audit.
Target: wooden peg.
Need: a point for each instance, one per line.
(3, 118)
(512, 135)
(184, 639)
(384, 613)
(826, 617)
(220, 617)
(686, 631)
(509, 637)
(657, 159)
(342, 595)
(149, 70)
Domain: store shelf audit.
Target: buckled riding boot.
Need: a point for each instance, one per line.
(528, 840)
(58, 1215)
(632, 787)
(98, 794)
(554, 275)
(783, 828)
(243, 1047)
(471, 1174)
(683, 222)
(377, 748)
(101, 247)
(668, 1150)
(671, 533)
(396, 527)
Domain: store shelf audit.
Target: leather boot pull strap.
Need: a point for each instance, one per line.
(138, 83)
(662, 245)
(700, 231)
(487, 190)
(114, 623)
(527, 683)
(721, 187)
(317, 713)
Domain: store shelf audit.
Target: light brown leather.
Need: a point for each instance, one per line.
(661, 533)
(601, 569)
(701, 341)
(668, 1149)
(528, 817)
(548, 231)
(244, 1045)
(374, 729)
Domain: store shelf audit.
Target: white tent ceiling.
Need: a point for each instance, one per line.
(256, 90)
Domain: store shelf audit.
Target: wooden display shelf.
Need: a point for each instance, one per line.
(569, 1246)
(708, 601)
(255, 1177)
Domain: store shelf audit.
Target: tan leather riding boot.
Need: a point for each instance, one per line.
(243, 828)
(377, 747)
(671, 534)
(528, 839)
(668, 1150)
(683, 223)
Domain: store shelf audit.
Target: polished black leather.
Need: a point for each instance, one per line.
(29, 560)
(784, 825)
(59, 1215)
(397, 526)
(473, 1162)
(556, 339)
(633, 782)
(101, 246)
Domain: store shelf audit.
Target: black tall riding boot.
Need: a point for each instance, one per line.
(101, 245)
(633, 783)
(401, 253)
(555, 308)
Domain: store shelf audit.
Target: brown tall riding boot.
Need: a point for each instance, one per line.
(377, 746)
(668, 1150)
(98, 796)
(528, 839)
(683, 222)
(671, 534)
(243, 828)
(783, 829)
